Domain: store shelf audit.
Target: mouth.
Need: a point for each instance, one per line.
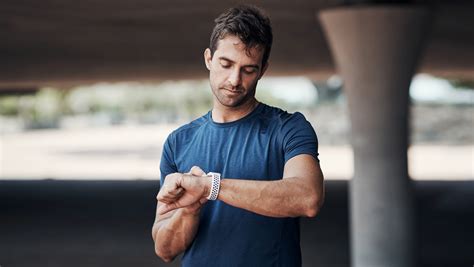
(234, 92)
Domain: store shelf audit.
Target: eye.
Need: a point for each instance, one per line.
(250, 70)
(224, 64)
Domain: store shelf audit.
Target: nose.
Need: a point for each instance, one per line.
(235, 78)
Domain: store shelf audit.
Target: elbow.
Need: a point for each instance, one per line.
(311, 212)
(165, 257)
(164, 254)
(314, 206)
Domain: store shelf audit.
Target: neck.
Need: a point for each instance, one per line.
(223, 114)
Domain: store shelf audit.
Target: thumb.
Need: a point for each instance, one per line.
(196, 171)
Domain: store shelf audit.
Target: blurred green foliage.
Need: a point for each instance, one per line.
(138, 102)
(9, 106)
(463, 84)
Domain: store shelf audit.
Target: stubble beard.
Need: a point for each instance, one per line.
(235, 102)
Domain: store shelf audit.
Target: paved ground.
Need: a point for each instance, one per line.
(133, 152)
(107, 223)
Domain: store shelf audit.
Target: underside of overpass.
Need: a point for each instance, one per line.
(72, 42)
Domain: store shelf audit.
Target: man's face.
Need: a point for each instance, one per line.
(234, 71)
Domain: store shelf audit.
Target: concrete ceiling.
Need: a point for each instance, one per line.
(65, 42)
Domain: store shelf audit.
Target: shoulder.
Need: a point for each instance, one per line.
(282, 118)
(187, 130)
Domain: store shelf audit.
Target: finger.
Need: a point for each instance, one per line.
(164, 200)
(167, 199)
(195, 170)
(171, 195)
(168, 187)
(162, 194)
(176, 192)
(170, 198)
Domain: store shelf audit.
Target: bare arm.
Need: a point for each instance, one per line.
(173, 231)
(299, 193)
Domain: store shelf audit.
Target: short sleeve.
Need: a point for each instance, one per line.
(167, 164)
(299, 137)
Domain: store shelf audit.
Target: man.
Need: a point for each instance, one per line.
(262, 165)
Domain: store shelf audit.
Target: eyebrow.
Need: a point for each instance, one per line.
(245, 66)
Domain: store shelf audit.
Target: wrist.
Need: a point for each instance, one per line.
(214, 186)
(207, 185)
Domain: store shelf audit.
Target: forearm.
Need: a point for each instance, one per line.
(174, 234)
(289, 197)
(299, 193)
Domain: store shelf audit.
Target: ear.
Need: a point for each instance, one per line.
(263, 70)
(207, 58)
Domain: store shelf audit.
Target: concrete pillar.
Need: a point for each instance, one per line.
(376, 49)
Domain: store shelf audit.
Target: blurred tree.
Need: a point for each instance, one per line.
(462, 84)
(9, 106)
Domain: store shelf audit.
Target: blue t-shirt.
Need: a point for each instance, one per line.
(255, 147)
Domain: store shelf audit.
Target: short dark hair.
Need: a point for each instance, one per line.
(248, 23)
